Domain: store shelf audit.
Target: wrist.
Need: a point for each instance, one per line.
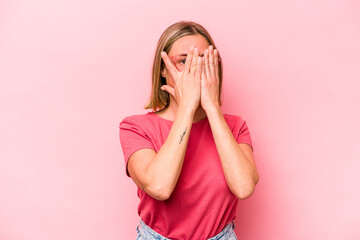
(185, 110)
(213, 110)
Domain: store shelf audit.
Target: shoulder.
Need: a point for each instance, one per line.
(148, 122)
(137, 119)
(233, 119)
(239, 128)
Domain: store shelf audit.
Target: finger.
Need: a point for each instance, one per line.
(168, 89)
(198, 68)
(216, 58)
(211, 60)
(203, 73)
(169, 65)
(188, 59)
(194, 61)
(207, 67)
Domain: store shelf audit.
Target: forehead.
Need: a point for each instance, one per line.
(183, 44)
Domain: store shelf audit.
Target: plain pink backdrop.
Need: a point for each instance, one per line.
(70, 71)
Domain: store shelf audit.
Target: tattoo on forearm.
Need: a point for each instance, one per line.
(182, 136)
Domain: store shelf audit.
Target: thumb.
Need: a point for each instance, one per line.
(168, 89)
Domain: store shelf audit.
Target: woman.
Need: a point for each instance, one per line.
(191, 162)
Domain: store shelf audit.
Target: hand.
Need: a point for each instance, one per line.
(186, 91)
(210, 80)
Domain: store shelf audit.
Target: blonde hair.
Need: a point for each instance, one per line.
(160, 99)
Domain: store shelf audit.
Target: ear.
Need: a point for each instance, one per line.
(163, 72)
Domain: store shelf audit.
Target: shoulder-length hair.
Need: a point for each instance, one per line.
(160, 99)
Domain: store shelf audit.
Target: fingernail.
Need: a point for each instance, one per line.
(192, 47)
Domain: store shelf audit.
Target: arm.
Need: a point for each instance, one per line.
(158, 173)
(236, 159)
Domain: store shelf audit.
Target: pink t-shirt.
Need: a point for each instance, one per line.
(201, 204)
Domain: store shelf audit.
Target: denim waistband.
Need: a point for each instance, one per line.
(145, 229)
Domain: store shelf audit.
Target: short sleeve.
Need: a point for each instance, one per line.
(132, 138)
(244, 135)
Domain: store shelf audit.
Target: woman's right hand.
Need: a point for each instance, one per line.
(186, 90)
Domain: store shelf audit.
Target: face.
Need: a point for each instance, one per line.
(182, 46)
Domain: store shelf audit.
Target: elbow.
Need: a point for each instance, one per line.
(156, 189)
(245, 193)
(159, 193)
(162, 196)
(256, 178)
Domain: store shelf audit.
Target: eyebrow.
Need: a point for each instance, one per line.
(185, 54)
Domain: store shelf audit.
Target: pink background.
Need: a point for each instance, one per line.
(70, 71)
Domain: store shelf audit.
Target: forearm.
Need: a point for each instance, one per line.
(239, 172)
(164, 170)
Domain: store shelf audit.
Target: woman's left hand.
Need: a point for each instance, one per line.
(210, 79)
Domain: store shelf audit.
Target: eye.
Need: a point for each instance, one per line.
(183, 60)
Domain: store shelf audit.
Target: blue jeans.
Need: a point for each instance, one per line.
(146, 233)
